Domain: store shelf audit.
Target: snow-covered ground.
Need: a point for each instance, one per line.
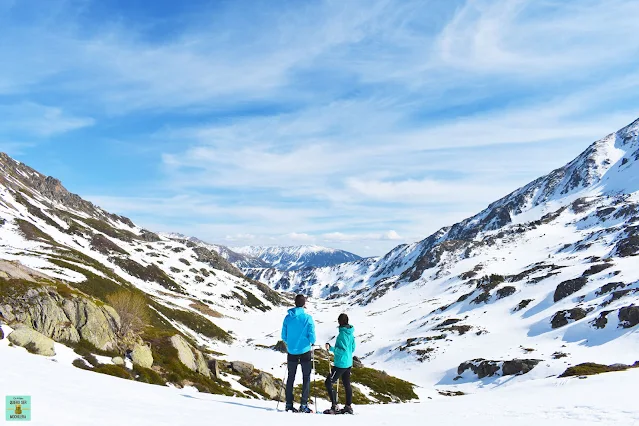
(63, 395)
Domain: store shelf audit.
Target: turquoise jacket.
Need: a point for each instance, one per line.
(344, 347)
(298, 331)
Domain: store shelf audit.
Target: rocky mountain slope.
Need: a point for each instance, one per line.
(295, 258)
(76, 278)
(541, 279)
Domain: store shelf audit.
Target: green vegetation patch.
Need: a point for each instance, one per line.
(151, 273)
(114, 370)
(591, 368)
(33, 233)
(249, 300)
(195, 322)
(105, 228)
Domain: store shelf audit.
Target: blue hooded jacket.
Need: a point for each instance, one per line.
(298, 331)
(344, 347)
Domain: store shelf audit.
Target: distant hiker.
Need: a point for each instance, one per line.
(298, 332)
(343, 350)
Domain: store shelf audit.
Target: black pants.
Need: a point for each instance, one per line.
(305, 361)
(336, 374)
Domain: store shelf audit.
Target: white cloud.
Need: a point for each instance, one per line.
(28, 118)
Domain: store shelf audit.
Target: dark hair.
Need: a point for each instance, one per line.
(342, 319)
(300, 300)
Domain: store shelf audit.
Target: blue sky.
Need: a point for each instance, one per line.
(353, 124)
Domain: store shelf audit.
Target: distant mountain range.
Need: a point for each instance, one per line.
(295, 258)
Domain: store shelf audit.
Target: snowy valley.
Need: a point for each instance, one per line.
(481, 317)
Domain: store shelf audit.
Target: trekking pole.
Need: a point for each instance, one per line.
(314, 372)
(279, 397)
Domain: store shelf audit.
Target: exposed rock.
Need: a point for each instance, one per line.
(357, 363)
(216, 261)
(105, 246)
(629, 316)
(243, 368)
(522, 305)
(65, 319)
(481, 367)
(149, 236)
(486, 368)
(31, 340)
(214, 368)
(506, 291)
(280, 346)
(142, 356)
(117, 360)
(601, 321)
(562, 318)
(569, 287)
(607, 288)
(95, 324)
(519, 366)
(595, 269)
(266, 383)
(189, 356)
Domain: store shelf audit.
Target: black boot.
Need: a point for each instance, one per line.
(332, 410)
(346, 410)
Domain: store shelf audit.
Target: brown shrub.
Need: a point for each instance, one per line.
(133, 311)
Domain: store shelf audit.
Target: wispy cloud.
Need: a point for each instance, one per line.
(328, 122)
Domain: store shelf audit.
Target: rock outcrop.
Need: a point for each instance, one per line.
(486, 368)
(32, 341)
(267, 384)
(189, 356)
(142, 356)
(569, 287)
(629, 316)
(242, 368)
(65, 319)
(562, 318)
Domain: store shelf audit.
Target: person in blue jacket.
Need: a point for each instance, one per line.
(343, 350)
(298, 332)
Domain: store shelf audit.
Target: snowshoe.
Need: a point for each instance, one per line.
(305, 409)
(332, 410)
(291, 409)
(346, 410)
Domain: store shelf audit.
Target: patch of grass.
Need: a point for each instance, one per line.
(35, 211)
(591, 368)
(85, 348)
(318, 388)
(383, 383)
(147, 375)
(249, 300)
(109, 230)
(113, 370)
(33, 233)
(79, 363)
(195, 322)
(147, 273)
(205, 309)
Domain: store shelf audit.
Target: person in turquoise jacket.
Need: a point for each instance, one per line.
(343, 350)
(298, 332)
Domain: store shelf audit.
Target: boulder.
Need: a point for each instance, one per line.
(189, 356)
(562, 318)
(31, 340)
(142, 356)
(486, 368)
(65, 319)
(518, 366)
(95, 324)
(214, 368)
(357, 363)
(117, 360)
(629, 316)
(569, 287)
(266, 383)
(243, 368)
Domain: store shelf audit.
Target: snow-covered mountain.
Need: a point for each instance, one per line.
(541, 281)
(295, 258)
(604, 178)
